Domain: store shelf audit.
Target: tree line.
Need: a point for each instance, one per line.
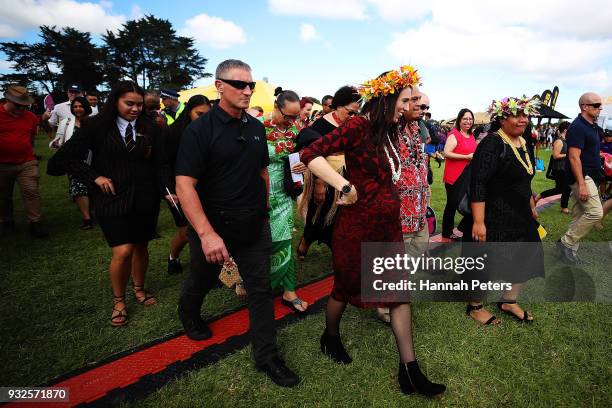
(147, 51)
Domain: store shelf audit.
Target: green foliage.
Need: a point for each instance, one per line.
(149, 52)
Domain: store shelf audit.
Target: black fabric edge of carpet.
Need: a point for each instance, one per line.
(121, 354)
(150, 383)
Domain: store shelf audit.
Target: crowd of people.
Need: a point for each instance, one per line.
(225, 172)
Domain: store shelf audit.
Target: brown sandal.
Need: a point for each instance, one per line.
(147, 296)
(120, 319)
(491, 321)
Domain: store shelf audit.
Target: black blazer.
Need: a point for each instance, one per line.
(139, 177)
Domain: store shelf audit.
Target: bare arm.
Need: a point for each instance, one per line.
(556, 153)
(479, 230)
(451, 144)
(325, 172)
(576, 168)
(212, 244)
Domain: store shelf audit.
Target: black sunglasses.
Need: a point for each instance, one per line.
(424, 107)
(595, 105)
(238, 84)
(288, 117)
(350, 112)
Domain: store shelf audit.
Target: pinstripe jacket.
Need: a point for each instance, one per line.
(139, 177)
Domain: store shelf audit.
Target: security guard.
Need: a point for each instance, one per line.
(172, 107)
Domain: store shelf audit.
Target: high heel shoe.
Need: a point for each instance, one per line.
(411, 380)
(332, 347)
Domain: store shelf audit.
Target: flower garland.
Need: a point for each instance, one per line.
(283, 141)
(513, 106)
(389, 83)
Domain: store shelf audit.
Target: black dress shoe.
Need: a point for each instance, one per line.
(278, 372)
(174, 266)
(7, 228)
(195, 327)
(567, 255)
(37, 230)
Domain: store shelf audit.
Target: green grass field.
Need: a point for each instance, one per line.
(56, 304)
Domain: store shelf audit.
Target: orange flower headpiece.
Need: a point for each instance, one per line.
(389, 83)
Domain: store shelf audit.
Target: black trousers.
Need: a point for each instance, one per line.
(452, 202)
(253, 262)
(561, 187)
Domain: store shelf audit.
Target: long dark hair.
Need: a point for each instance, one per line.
(380, 111)
(460, 115)
(185, 118)
(83, 102)
(107, 118)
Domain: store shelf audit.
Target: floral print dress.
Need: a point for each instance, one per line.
(281, 143)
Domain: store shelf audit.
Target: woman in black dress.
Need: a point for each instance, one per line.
(196, 106)
(503, 208)
(557, 170)
(318, 199)
(127, 177)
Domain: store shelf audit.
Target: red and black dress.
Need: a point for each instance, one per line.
(375, 217)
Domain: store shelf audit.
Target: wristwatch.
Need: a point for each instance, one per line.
(346, 188)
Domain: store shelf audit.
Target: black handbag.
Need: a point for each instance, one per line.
(462, 189)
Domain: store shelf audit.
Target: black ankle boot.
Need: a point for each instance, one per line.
(332, 347)
(411, 379)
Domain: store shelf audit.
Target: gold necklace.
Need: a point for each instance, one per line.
(528, 167)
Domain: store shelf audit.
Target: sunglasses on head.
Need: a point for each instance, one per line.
(424, 107)
(595, 105)
(238, 84)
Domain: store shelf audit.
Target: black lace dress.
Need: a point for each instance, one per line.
(500, 180)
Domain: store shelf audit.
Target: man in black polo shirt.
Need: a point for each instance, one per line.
(583, 167)
(222, 183)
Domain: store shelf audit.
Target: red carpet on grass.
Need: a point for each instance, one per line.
(97, 382)
(91, 385)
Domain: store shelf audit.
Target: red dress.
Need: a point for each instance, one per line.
(375, 217)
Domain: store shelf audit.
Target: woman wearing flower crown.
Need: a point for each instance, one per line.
(503, 208)
(281, 132)
(370, 212)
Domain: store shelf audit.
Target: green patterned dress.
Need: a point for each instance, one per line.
(280, 145)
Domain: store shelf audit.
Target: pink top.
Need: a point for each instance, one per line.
(453, 167)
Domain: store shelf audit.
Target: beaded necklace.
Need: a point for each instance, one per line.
(396, 173)
(528, 167)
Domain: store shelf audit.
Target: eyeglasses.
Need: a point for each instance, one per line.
(424, 107)
(289, 118)
(238, 84)
(595, 105)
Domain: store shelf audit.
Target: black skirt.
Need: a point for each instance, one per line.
(132, 228)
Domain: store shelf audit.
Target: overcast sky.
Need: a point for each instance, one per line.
(466, 52)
